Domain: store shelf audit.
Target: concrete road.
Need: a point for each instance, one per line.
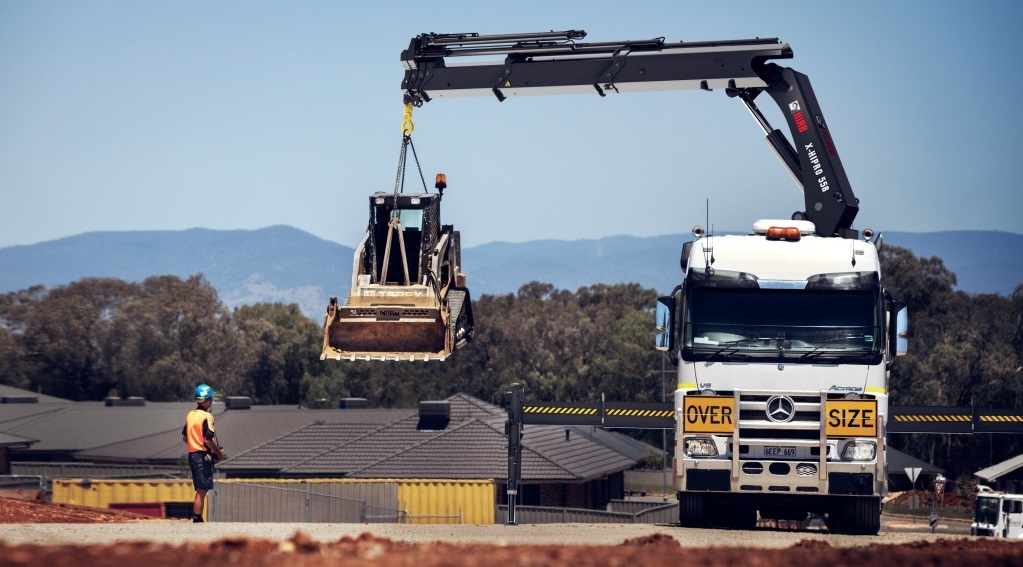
(894, 531)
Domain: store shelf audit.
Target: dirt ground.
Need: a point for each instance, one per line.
(366, 550)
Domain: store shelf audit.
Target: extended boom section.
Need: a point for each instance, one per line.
(544, 63)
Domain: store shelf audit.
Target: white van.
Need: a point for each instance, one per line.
(998, 515)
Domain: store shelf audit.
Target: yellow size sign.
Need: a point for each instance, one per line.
(851, 418)
(708, 414)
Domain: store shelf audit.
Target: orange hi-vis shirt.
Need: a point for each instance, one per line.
(198, 428)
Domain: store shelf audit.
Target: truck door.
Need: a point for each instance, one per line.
(1012, 509)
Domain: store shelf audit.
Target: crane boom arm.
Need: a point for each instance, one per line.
(556, 63)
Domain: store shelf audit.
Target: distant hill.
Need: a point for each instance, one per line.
(278, 263)
(285, 264)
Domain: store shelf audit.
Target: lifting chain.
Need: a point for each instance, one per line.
(406, 141)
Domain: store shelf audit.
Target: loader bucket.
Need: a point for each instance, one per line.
(384, 333)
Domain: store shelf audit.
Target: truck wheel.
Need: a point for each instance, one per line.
(742, 518)
(859, 515)
(690, 510)
(866, 515)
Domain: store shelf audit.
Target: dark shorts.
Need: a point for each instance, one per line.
(202, 471)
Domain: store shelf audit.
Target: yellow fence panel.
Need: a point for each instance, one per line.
(430, 501)
(100, 493)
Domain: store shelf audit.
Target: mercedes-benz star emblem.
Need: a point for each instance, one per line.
(780, 409)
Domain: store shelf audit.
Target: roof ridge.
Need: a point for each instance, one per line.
(37, 418)
(426, 442)
(278, 438)
(540, 455)
(336, 447)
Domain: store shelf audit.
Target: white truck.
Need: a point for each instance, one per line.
(998, 515)
(783, 341)
(783, 338)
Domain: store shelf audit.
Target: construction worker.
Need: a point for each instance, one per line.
(203, 448)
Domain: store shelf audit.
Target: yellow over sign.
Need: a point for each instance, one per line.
(851, 418)
(708, 414)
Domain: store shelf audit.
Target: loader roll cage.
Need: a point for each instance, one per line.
(556, 63)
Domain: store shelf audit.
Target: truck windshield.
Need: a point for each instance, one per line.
(778, 322)
(986, 511)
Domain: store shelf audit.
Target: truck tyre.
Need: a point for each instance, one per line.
(866, 515)
(690, 510)
(859, 515)
(741, 518)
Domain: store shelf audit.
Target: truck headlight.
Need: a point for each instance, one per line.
(859, 451)
(700, 447)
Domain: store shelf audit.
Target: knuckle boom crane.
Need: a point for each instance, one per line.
(554, 63)
(783, 338)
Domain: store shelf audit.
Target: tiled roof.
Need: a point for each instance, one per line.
(299, 446)
(290, 441)
(473, 445)
(11, 391)
(14, 441)
(238, 431)
(85, 425)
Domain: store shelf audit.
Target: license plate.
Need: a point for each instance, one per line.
(779, 451)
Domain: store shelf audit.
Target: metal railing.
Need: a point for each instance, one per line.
(659, 514)
(22, 482)
(266, 502)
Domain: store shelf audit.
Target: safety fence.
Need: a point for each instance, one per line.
(307, 502)
(410, 501)
(23, 482)
(654, 514)
(89, 470)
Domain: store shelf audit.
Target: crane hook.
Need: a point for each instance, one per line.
(406, 125)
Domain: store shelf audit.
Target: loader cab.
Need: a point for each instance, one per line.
(419, 221)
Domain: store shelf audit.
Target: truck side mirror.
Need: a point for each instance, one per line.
(898, 330)
(665, 338)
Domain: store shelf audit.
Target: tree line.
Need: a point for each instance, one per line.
(158, 339)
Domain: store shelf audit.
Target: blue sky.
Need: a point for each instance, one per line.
(241, 115)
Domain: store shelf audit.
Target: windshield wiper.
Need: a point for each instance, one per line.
(813, 352)
(732, 345)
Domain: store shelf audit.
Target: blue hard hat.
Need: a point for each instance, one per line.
(203, 392)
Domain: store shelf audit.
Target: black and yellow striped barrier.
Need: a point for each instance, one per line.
(639, 415)
(545, 413)
(937, 419)
(930, 419)
(998, 421)
(661, 415)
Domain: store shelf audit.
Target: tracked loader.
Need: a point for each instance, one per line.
(408, 299)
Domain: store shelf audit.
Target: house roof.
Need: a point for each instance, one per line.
(898, 462)
(1001, 469)
(12, 392)
(472, 445)
(295, 441)
(238, 431)
(15, 441)
(78, 426)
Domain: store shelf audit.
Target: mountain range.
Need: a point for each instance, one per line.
(284, 264)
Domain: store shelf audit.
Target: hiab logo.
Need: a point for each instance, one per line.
(794, 106)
